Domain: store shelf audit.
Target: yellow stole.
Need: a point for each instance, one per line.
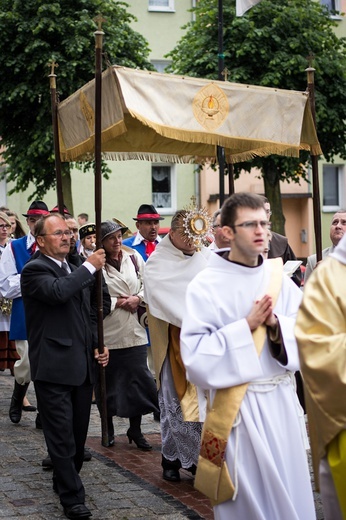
(212, 476)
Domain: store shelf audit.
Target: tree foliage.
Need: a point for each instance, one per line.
(32, 34)
(269, 46)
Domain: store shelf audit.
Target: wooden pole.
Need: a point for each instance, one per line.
(221, 65)
(98, 208)
(314, 164)
(231, 187)
(54, 109)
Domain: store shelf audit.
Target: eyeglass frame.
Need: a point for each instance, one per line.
(5, 226)
(253, 224)
(58, 233)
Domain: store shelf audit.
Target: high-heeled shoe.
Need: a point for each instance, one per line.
(139, 440)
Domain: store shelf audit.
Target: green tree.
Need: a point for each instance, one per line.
(269, 46)
(32, 34)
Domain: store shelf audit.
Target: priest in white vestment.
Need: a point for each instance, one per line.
(167, 273)
(225, 304)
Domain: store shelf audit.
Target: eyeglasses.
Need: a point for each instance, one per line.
(58, 233)
(216, 226)
(253, 224)
(5, 226)
(268, 212)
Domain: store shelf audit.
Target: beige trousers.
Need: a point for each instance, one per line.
(22, 366)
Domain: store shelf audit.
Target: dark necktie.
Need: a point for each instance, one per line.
(65, 268)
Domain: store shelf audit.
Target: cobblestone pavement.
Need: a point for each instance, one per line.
(121, 482)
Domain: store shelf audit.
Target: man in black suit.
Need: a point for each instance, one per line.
(62, 342)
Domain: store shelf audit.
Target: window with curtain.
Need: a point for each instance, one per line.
(161, 5)
(333, 5)
(163, 187)
(333, 187)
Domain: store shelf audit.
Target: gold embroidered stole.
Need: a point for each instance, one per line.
(212, 476)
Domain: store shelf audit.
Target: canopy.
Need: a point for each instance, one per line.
(169, 118)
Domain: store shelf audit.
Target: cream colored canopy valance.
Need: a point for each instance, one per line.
(163, 117)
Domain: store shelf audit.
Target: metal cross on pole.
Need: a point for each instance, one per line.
(314, 163)
(54, 108)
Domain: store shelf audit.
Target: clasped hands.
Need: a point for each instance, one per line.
(128, 303)
(262, 313)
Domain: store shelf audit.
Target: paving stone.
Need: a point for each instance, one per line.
(113, 491)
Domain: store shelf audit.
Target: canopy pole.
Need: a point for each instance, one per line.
(98, 207)
(314, 164)
(54, 109)
(231, 187)
(221, 65)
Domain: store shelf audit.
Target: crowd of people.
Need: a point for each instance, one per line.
(205, 337)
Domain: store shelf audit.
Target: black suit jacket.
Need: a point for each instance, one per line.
(61, 331)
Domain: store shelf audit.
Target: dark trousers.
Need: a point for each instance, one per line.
(65, 414)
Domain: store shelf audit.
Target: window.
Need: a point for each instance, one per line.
(163, 188)
(161, 5)
(160, 65)
(333, 5)
(333, 187)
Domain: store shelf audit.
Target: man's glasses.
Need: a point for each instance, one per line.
(58, 233)
(253, 224)
(5, 226)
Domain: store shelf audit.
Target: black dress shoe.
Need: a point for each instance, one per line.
(47, 463)
(77, 511)
(172, 475)
(38, 422)
(87, 455)
(15, 411)
(192, 469)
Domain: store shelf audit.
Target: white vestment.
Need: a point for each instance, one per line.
(265, 452)
(166, 276)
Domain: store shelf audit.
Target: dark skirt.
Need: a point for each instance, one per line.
(8, 353)
(130, 386)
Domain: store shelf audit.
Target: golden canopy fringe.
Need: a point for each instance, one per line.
(148, 115)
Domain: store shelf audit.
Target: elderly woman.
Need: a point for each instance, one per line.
(131, 390)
